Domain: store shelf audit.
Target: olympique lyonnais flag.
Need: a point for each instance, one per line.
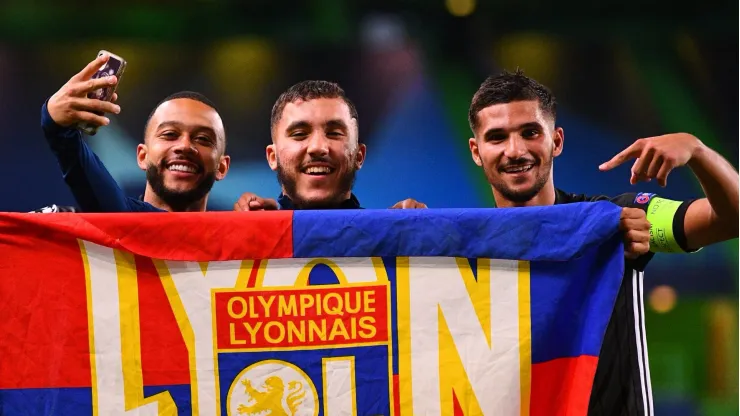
(388, 312)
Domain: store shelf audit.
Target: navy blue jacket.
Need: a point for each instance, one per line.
(352, 203)
(90, 182)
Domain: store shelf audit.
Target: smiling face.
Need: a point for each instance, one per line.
(315, 151)
(183, 152)
(515, 143)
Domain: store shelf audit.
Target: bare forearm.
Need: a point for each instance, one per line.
(719, 180)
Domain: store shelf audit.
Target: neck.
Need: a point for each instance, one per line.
(546, 196)
(153, 199)
(343, 197)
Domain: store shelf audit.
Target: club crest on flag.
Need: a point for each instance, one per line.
(293, 350)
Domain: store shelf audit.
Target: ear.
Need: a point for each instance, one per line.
(474, 151)
(271, 156)
(557, 142)
(360, 159)
(141, 152)
(223, 167)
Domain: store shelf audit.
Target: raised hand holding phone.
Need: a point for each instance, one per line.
(77, 103)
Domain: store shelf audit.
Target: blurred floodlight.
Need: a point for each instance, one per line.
(532, 52)
(663, 299)
(383, 32)
(240, 68)
(460, 8)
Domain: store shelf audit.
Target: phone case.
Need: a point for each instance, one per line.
(115, 66)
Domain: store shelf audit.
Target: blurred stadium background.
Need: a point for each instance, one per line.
(620, 69)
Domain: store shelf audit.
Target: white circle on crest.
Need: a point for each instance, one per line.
(272, 387)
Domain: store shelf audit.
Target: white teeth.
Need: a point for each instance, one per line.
(519, 169)
(318, 169)
(182, 168)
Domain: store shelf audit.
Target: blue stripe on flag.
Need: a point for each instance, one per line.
(52, 401)
(571, 302)
(552, 233)
(75, 400)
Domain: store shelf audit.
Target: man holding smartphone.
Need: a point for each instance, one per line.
(183, 152)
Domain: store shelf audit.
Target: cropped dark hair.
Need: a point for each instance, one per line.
(309, 90)
(190, 95)
(508, 87)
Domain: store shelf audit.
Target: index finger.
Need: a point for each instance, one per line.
(632, 151)
(92, 67)
(93, 84)
(255, 204)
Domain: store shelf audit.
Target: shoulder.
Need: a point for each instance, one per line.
(653, 204)
(54, 208)
(562, 197)
(627, 200)
(666, 218)
(633, 199)
(137, 205)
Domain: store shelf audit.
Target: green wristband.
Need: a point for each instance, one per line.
(660, 213)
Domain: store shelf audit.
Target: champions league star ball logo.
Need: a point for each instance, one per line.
(272, 387)
(643, 198)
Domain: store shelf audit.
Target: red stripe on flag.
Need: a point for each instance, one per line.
(240, 235)
(396, 395)
(252, 281)
(562, 386)
(456, 408)
(44, 340)
(164, 355)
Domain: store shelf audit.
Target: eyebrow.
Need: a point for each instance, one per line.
(164, 124)
(179, 125)
(529, 125)
(300, 124)
(336, 124)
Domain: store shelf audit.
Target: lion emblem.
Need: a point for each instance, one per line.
(272, 388)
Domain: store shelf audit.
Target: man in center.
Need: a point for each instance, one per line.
(315, 151)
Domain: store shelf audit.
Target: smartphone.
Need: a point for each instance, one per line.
(115, 66)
